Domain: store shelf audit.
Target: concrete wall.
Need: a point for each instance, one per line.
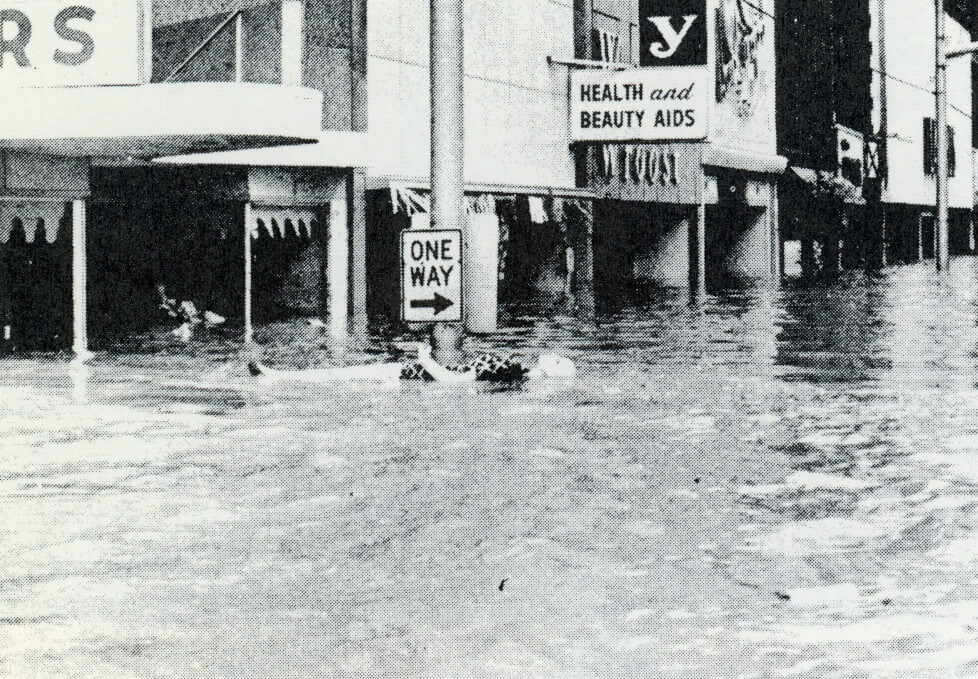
(516, 105)
(333, 55)
(909, 50)
(667, 260)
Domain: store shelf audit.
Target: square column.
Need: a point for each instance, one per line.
(337, 267)
(357, 200)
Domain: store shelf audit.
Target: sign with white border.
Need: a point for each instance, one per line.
(668, 103)
(431, 275)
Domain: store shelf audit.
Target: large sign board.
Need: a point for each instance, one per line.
(672, 32)
(59, 43)
(431, 275)
(641, 104)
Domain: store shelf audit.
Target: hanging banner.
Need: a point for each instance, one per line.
(642, 104)
(672, 32)
(53, 43)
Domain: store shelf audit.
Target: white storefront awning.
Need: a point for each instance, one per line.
(148, 121)
(331, 149)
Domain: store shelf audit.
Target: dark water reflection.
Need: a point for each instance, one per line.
(775, 482)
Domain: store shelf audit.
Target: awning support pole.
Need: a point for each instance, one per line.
(248, 329)
(238, 48)
(79, 282)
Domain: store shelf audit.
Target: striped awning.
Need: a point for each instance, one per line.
(281, 222)
(32, 217)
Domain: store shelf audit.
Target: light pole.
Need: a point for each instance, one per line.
(941, 55)
(447, 140)
(940, 138)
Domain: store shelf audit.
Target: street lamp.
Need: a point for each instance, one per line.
(942, 54)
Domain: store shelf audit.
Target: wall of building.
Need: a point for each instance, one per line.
(909, 63)
(333, 55)
(516, 105)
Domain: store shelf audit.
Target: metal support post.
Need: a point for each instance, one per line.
(248, 329)
(79, 281)
(447, 140)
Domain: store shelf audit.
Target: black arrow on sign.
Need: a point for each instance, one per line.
(439, 303)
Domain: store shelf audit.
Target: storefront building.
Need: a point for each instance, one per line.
(856, 116)
(700, 212)
(144, 165)
(230, 166)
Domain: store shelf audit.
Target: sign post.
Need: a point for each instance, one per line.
(431, 276)
(447, 46)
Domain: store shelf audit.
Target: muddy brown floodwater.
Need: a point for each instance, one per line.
(776, 483)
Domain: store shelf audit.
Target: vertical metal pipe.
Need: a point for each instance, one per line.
(79, 281)
(940, 136)
(248, 329)
(447, 138)
(238, 48)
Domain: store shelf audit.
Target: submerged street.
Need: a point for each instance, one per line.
(780, 482)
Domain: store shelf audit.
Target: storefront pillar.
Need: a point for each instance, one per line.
(357, 199)
(79, 282)
(480, 269)
(248, 327)
(774, 226)
(699, 278)
(337, 267)
(584, 263)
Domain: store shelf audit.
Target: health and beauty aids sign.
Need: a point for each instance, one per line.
(58, 43)
(431, 275)
(641, 104)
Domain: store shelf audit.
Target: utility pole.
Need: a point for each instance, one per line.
(942, 54)
(941, 253)
(447, 142)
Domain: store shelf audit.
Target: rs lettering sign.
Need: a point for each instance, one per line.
(59, 43)
(431, 275)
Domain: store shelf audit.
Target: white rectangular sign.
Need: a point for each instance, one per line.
(640, 104)
(431, 275)
(58, 43)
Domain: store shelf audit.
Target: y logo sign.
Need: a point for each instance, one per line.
(672, 32)
(671, 39)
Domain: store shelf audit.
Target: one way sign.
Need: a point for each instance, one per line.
(431, 275)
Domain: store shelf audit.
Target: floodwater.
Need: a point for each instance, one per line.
(778, 483)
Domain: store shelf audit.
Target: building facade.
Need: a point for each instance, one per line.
(259, 158)
(856, 121)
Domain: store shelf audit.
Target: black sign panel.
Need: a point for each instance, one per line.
(672, 32)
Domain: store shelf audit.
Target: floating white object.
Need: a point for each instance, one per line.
(183, 333)
(210, 318)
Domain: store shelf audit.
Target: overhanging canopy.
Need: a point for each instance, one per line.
(850, 192)
(146, 121)
(331, 149)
